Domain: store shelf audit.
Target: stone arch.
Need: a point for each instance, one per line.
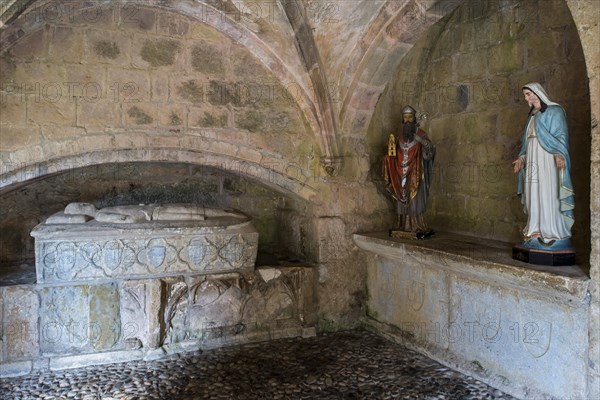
(42, 132)
(285, 178)
(390, 35)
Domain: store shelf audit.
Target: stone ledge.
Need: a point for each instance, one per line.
(10, 370)
(466, 302)
(86, 360)
(482, 259)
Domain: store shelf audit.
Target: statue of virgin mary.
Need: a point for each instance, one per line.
(544, 173)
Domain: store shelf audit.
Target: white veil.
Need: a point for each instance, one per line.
(540, 93)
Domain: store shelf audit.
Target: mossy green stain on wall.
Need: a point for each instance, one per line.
(160, 53)
(175, 119)
(208, 59)
(192, 91)
(107, 49)
(221, 93)
(210, 120)
(139, 116)
(250, 120)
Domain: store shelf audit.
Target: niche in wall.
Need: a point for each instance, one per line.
(104, 185)
(465, 76)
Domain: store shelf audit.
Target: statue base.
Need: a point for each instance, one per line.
(554, 258)
(419, 235)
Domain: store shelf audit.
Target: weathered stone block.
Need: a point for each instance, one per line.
(29, 79)
(64, 317)
(173, 25)
(52, 132)
(21, 328)
(505, 57)
(140, 310)
(13, 137)
(493, 327)
(232, 308)
(84, 360)
(83, 14)
(104, 316)
(87, 83)
(132, 16)
(159, 84)
(8, 370)
(247, 67)
(207, 32)
(56, 149)
(12, 108)
(52, 108)
(540, 49)
(132, 140)
(99, 116)
(332, 239)
(595, 188)
(469, 66)
(33, 47)
(126, 86)
(20, 324)
(67, 45)
(175, 293)
(2, 355)
(475, 127)
(96, 142)
(216, 305)
(208, 117)
(414, 298)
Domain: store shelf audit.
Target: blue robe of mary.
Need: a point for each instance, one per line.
(553, 137)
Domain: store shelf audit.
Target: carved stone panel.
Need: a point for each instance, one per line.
(68, 252)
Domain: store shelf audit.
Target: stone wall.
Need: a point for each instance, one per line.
(87, 81)
(471, 306)
(466, 75)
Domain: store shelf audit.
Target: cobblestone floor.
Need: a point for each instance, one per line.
(344, 365)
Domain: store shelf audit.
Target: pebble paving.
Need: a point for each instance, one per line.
(343, 365)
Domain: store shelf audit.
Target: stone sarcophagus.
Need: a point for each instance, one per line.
(82, 243)
(140, 282)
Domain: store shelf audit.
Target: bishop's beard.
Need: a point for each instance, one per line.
(409, 130)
